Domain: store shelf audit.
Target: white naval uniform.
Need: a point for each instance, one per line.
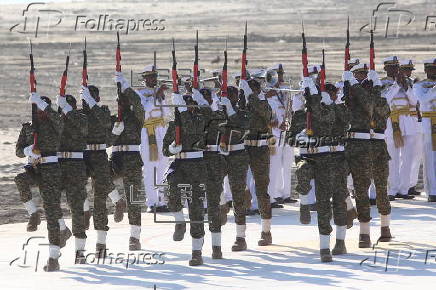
(426, 94)
(401, 162)
(154, 197)
(298, 104)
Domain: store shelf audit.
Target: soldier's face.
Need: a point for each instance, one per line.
(151, 80)
(391, 70)
(280, 76)
(407, 72)
(431, 72)
(360, 75)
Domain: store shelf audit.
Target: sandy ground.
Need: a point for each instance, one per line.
(292, 262)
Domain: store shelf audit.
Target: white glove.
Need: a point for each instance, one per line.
(349, 76)
(119, 78)
(262, 97)
(243, 85)
(199, 98)
(174, 149)
(28, 151)
(118, 128)
(297, 102)
(179, 101)
(85, 95)
(35, 98)
(308, 83)
(62, 103)
(302, 138)
(325, 98)
(373, 76)
(225, 102)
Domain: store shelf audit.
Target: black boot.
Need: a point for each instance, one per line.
(239, 245)
(305, 217)
(413, 191)
(265, 239)
(216, 252)
(385, 235)
(364, 241)
(134, 244)
(34, 221)
(64, 236)
(120, 207)
(325, 255)
(52, 265)
(80, 258)
(339, 248)
(179, 232)
(431, 198)
(196, 259)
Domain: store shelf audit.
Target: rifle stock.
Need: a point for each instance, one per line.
(32, 82)
(118, 69)
(304, 60)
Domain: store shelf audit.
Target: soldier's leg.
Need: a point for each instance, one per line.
(406, 165)
(237, 173)
(380, 175)
(133, 187)
(24, 181)
(287, 161)
(340, 194)
(305, 185)
(394, 167)
(259, 164)
(49, 186)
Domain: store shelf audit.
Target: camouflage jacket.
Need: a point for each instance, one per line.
(238, 125)
(74, 132)
(50, 130)
(260, 114)
(24, 139)
(133, 119)
(214, 125)
(367, 109)
(99, 124)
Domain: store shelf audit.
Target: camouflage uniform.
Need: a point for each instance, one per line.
(73, 169)
(127, 163)
(260, 115)
(97, 164)
(50, 129)
(25, 180)
(189, 172)
(368, 159)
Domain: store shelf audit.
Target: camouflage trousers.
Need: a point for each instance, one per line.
(24, 182)
(98, 168)
(129, 168)
(369, 160)
(259, 163)
(74, 183)
(216, 169)
(50, 190)
(189, 181)
(237, 167)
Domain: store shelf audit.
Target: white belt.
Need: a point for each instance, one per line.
(236, 147)
(256, 143)
(321, 149)
(125, 148)
(366, 136)
(212, 148)
(70, 155)
(48, 159)
(189, 155)
(95, 147)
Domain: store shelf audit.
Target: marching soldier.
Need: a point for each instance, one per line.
(28, 179)
(425, 91)
(97, 163)
(187, 175)
(401, 128)
(126, 158)
(366, 150)
(237, 161)
(152, 134)
(50, 129)
(257, 141)
(73, 169)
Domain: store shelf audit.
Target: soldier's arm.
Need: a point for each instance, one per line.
(78, 122)
(260, 107)
(298, 123)
(168, 139)
(103, 116)
(382, 108)
(21, 143)
(135, 101)
(55, 119)
(111, 138)
(360, 96)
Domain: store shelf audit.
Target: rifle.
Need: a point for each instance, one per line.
(177, 119)
(224, 140)
(195, 82)
(32, 81)
(242, 102)
(322, 73)
(346, 90)
(85, 72)
(64, 77)
(118, 69)
(309, 130)
(371, 49)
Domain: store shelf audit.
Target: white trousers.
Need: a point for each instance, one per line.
(154, 198)
(400, 165)
(275, 173)
(252, 188)
(311, 194)
(429, 159)
(417, 159)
